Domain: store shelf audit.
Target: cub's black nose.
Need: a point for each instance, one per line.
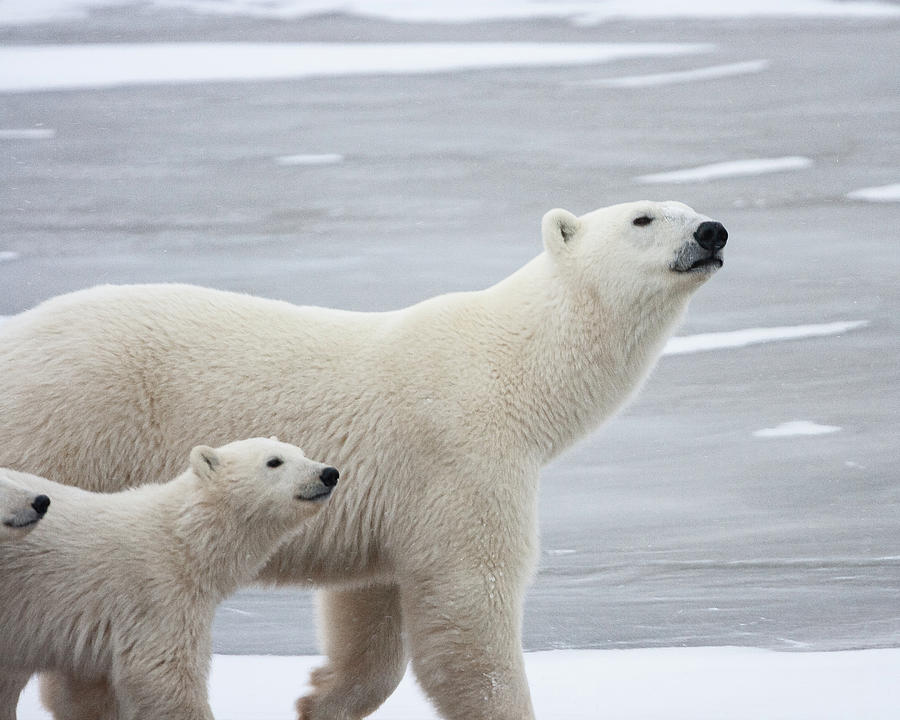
(329, 476)
(40, 504)
(711, 236)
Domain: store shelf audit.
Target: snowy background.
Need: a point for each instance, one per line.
(366, 155)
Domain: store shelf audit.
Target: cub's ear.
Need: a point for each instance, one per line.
(204, 461)
(558, 228)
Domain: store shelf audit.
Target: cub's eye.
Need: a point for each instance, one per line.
(275, 462)
(643, 220)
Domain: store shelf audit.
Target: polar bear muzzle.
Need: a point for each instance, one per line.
(704, 255)
(320, 491)
(30, 515)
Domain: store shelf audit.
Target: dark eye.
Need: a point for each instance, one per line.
(275, 462)
(643, 220)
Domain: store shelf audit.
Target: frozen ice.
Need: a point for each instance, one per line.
(461, 11)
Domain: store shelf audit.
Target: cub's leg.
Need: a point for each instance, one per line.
(11, 683)
(71, 698)
(173, 690)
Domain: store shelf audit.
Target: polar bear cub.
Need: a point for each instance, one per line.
(121, 588)
(20, 508)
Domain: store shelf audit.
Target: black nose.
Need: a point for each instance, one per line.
(329, 476)
(40, 504)
(711, 236)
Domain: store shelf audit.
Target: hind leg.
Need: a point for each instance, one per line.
(361, 633)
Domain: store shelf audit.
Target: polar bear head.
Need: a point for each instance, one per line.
(666, 245)
(20, 508)
(264, 478)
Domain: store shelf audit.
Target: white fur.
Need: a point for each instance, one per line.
(17, 513)
(439, 415)
(122, 587)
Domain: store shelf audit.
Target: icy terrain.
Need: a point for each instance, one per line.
(748, 497)
(582, 12)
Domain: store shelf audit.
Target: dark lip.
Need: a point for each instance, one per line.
(320, 496)
(19, 526)
(704, 264)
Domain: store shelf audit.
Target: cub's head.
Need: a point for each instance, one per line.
(660, 245)
(20, 508)
(264, 477)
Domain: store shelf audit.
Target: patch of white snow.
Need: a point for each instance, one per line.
(732, 168)
(711, 72)
(27, 133)
(27, 68)
(884, 193)
(795, 428)
(754, 336)
(322, 159)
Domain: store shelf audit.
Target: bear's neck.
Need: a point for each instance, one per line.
(222, 545)
(575, 357)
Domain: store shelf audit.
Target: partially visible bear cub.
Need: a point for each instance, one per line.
(121, 588)
(20, 508)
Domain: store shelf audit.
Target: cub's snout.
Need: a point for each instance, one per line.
(329, 477)
(40, 505)
(320, 488)
(20, 508)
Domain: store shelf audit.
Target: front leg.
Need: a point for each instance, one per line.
(164, 678)
(162, 694)
(464, 632)
(12, 681)
(462, 589)
(71, 698)
(360, 631)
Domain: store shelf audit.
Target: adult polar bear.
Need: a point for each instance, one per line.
(439, 416)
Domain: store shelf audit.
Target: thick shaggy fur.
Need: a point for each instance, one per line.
(439, 415)
(20, 509)
(119, 590)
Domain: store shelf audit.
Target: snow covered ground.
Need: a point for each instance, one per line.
(670, 683)
(748, 496)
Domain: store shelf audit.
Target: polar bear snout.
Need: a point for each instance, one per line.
(711, 236)
(20, 508)
(701, 255)
(321, 488)
(40, 505)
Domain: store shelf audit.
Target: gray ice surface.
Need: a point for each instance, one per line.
(673, 524)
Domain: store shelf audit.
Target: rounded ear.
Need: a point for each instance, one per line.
(558, 228)
(204, 461)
